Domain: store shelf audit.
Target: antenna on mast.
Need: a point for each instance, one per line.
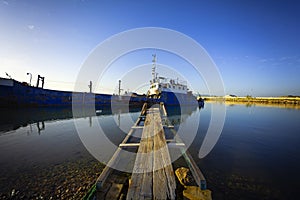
(91, 86)
(119, 91)
(153, 67)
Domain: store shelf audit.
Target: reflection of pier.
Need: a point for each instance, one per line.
(12, 119)
(40, 126)
(153, 174)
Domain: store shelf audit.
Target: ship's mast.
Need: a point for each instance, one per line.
(153, 68)
(120, 87)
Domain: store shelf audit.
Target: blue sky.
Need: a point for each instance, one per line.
(255, 44)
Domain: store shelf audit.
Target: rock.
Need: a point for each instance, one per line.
(12, 193)
(195, 193)
(184, 176)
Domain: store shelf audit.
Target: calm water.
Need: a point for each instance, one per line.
(256, 157)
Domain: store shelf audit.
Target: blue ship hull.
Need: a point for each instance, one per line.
(171, 99)
(16, 94)
(175, 99)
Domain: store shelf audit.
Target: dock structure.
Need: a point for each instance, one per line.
(152, 176)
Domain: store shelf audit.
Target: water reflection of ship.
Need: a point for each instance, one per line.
(12, 119)
(177, 115)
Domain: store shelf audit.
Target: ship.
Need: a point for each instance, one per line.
(171, 92)
(21, 94)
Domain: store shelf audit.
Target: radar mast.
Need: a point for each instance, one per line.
(153, 68)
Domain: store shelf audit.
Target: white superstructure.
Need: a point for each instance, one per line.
(162, 84)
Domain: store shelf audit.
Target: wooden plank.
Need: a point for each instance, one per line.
(164, 184)
(114, 191)
(146, 190)
(196, 172)
(129, 145)
(153, 162)
(139, 178)
(137, 127)
(170, 126)
(176, 145)
(144, 109)
(153, 175)
(163, 108)
(114, 159)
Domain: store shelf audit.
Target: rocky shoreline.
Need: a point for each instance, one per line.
(68, 180)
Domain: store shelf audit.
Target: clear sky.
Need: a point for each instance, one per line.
(255, 44)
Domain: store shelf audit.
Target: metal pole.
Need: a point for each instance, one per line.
(119, 87)
(38, 81)
(91, 86)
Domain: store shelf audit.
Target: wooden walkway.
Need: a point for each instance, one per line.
(153, 175)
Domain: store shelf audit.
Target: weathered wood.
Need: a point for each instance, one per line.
(163, 108)
(137, 127)
(114, 191)
(153, 175)
(141, 181)
(146, 190)
(176, 145)
(170, 126)
(144, 109)
(197, 174)
(129, 145)
(164, 184)
(115, 158)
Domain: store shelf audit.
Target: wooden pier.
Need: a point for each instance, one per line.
(153, 175)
